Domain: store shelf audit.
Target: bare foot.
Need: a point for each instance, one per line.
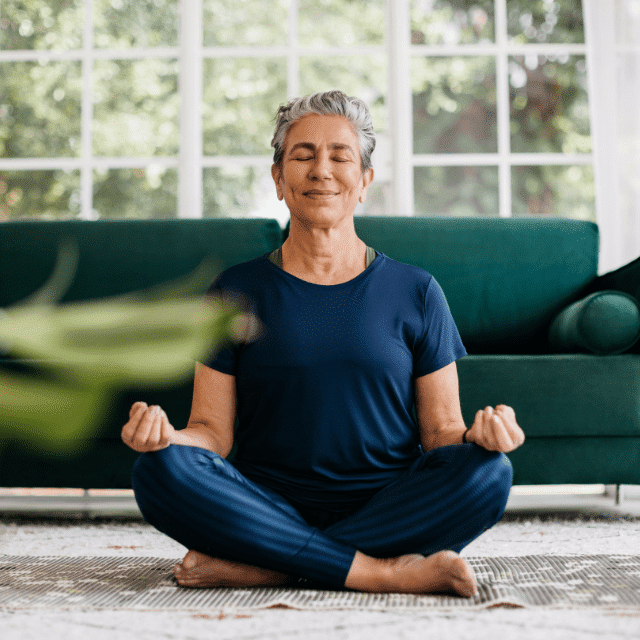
(200, 570)
(444, 571)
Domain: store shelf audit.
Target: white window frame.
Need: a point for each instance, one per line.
(190, 53)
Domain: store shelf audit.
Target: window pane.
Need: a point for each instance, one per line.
(41, 24)
(559, 191)
(40, 109)
(454, 105)
(136, 106)
(549, 105)
(51, 195)
(341, 24)
(241, 98)
(545, 21)
(241, 192)
(122, 24)
(364, 77)
(452, 21)
(145, 192)
(456, 191)
(250, 22)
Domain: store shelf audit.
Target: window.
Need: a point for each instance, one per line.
(164, 108)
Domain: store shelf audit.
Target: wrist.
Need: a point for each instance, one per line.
(464, 436)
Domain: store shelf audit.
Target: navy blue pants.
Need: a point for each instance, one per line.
(446, 499)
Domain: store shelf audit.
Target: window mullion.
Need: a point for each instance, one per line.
(601, 79)
(502, 105)
(400, 106)
(293, 60)
(86, 117)
(190, 182)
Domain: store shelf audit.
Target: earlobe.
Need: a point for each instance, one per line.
(275, 174)
(367, 178)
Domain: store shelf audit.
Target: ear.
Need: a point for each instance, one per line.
(277, 178)
(367, 179)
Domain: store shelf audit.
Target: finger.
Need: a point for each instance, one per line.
(129, 429)
(141, 434)
(476, 427)
(153, 437)
(504, 409)
(135, 408)
(166, 431)
(508, 418)
(503, 439)
(488, 430)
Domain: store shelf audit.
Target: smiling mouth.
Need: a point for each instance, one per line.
(320, 193)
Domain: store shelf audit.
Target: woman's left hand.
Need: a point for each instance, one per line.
(496, 429)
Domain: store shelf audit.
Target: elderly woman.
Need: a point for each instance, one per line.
(333, 480)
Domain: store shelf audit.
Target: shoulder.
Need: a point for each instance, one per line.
(406, 276)
(240, 275)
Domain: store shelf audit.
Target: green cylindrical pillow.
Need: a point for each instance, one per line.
(604, 323)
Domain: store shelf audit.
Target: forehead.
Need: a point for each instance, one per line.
(320, 130)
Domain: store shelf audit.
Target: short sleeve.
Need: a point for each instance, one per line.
(440, 344)
(224, 357)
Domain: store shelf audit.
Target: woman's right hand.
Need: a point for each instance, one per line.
(148, 428)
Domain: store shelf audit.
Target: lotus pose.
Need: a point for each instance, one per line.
(334, 480)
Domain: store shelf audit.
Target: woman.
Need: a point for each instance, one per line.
(333, 481)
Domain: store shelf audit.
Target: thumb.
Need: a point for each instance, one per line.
(476, 427)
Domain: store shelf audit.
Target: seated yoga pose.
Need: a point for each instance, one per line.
(333, 481)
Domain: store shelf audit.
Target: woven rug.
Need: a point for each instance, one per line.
(36, 582)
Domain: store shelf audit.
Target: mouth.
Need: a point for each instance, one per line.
(316, 193)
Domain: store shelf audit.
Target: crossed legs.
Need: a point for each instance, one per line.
(406, 538)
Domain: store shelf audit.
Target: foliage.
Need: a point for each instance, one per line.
(452, 21)
(79, 354)
(456, 191)
(233, 24)
(327, 23)
(150, 192)
(557, 21)
(136, 102)
(454, 105)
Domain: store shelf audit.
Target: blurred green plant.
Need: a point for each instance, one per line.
(79, 354)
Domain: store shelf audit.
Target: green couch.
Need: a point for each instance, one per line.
(577, 398)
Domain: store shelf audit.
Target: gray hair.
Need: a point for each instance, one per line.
(326, 103)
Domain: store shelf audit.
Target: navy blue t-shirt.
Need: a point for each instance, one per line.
(325, 392)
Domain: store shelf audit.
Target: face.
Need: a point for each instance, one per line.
(321, 176)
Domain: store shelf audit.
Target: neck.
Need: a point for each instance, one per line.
(323, 252)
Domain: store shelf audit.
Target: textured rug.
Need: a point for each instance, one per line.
(36, 582)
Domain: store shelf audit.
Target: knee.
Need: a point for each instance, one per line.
(497, 479)
(152, 473)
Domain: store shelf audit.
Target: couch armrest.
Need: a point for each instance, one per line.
(604, 323)
(625, 279)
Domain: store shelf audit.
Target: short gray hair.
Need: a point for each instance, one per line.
(326, 103)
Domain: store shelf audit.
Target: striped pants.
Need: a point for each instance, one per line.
(446, 499)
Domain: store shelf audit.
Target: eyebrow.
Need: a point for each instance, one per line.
(339, 146)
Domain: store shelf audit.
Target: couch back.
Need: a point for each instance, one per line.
(119, 256)
(504, 278)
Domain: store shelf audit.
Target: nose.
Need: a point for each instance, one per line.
(321, 167)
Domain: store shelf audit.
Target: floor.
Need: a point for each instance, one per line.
(532, 524)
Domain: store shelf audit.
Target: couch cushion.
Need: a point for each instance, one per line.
(605, 323)
(556, 396)
(118, 256)
(505, 278)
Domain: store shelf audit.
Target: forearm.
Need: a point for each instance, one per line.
(200, 435)
(443, 437)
